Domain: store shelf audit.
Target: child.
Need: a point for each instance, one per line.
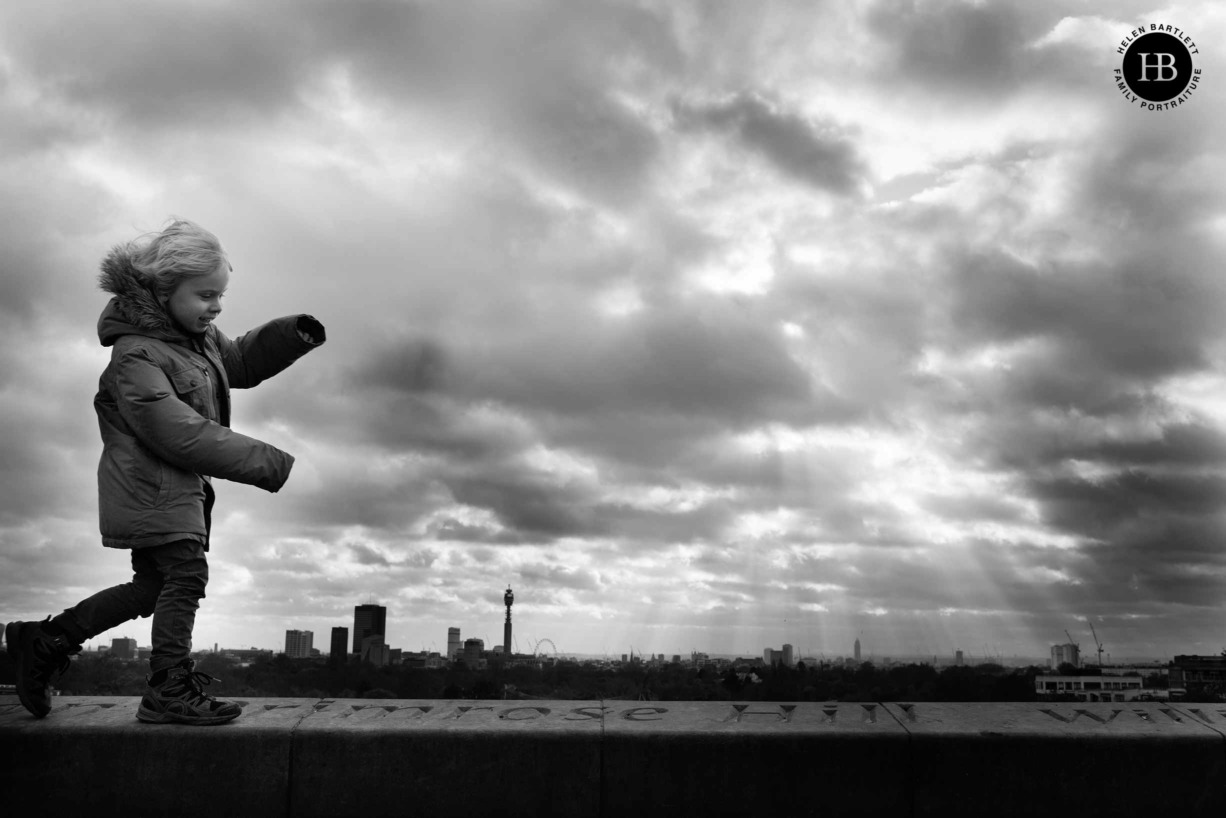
(163, 408)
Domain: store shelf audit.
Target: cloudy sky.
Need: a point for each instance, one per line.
(704, 325)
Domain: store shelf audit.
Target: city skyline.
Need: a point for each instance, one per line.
(370, 617)
(705, 326)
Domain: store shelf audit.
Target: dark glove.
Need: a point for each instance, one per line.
(311, 330)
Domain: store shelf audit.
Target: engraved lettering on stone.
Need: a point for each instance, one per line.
(870, 713)
(909, 710)
(783, 713)
(829, 714)
(537, 712)
(370, 712)
(85, 708)
(420, 711)
(1081, 712)
(464, 709)
(639, 713)
(1171, 714)
(584, 714)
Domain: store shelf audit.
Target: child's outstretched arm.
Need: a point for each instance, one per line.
(268, 349)
(178, 434)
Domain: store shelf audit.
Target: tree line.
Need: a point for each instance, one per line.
(280, 676)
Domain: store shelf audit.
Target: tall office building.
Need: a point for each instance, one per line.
(454, 646)
(368, 620)
(340, 643)
(298, 644)
(857, 651)
(789, 657)
(376, 651)
(473, 648)
(124, 648)
(1067, 653)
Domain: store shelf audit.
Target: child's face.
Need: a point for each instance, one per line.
(197, 300)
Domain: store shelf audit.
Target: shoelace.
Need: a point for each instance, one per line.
(194, 681)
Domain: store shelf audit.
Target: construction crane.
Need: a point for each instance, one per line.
(1099, 644)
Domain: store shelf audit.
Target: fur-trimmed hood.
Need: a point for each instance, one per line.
(135, 309)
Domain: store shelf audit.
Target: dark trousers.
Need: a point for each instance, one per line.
(167, 582)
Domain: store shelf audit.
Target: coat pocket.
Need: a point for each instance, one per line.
(194, 387)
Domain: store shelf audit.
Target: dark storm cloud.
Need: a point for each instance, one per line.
(645, 397)
(556, 576)
(415, 365)
(646, 530)
(956, 47)
(1132, 319)
(641, 446)
(646, 389)
(50, 446)
(364, 554)
(27, 130)
(974, 508)
(31, 480)
(821, 157)
(710, 360)
(527, 75)
(529, 71)
(527, 503)
(214, 64)
(42, 215)
(1149, 537)
(1180, 445)
(1138, 182)
(448, 529)
(1102, 509)
(1160, 562)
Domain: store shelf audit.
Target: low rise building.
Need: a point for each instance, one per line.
(1198, 677)
(1096, 688)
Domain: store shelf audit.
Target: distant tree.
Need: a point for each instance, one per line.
(379, 693)
(732, 681)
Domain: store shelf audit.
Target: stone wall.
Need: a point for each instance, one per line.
(330, 757)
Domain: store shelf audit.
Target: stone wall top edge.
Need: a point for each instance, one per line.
(628, 718)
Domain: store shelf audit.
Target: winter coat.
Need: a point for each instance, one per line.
(163, 408)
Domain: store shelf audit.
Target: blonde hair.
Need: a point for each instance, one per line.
(181, 250)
